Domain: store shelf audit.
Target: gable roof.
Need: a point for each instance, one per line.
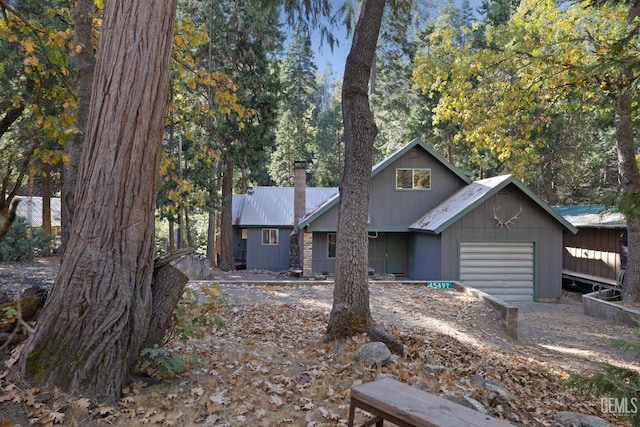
(418, 143)
(273, 206)
(379, 167)
(592, 216)
(464, 201)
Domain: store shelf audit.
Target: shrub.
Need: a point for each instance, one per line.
(158, 362)
(22, 243)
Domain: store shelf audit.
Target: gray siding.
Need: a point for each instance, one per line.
(392, 209)
(321, 261)
(594, 251)
(388, 253)
(426, 258)
(534, 225)
(395, 210)
(268, 257)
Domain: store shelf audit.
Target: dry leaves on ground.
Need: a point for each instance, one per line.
(268, 366)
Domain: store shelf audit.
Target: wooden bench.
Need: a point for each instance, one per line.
(406, 406)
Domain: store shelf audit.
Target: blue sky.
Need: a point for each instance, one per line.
(337, 57)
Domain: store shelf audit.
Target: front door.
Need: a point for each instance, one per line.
(396, 253)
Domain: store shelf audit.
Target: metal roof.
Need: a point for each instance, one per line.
(468, 198)
(30, 208)
(237, 203)
(592, 216)
(273, 206)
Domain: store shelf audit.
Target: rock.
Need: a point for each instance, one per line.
(384, 375)
(576, 419)
(373, 354)
(468, 402)
(477, 380)
(433, 369)
(499, 389)
(394, 358)
(378, 333)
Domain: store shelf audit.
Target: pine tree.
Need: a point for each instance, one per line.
(295, 132)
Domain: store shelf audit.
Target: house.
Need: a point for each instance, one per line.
(429, 221)
(30, 208)
(597, 253)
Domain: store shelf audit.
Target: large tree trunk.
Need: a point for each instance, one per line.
(227, 261)
(97, 316)
(351, 313)
(85, 60)
(630, 182)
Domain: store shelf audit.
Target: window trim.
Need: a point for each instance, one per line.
(335, 237)
(272, 232)
(413, 179)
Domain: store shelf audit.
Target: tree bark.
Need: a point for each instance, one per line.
(630, 183)
(227, 261)
(97, 316)
(85, 60)
(351, 313)
(167, 286)
(10, 117)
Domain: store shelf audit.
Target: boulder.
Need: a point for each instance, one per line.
(373, 354)
(469, 402)
(576, 419)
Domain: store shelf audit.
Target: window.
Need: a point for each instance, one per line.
(331, 245)
(269, 236)
(413, 179)
(243, 234)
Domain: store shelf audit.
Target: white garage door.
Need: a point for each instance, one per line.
(501, 269)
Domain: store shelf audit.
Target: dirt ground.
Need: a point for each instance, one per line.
(267, 365)
(558, 332)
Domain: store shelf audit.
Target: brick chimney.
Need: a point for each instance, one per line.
(299, 210)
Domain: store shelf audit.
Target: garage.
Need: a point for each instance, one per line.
(502, 269)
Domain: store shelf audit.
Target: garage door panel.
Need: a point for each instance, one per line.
(505, 270)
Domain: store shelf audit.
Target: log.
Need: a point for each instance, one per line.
(166, 287)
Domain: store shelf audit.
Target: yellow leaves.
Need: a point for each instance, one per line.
(28, 45)
(30, 62)
(498, 97)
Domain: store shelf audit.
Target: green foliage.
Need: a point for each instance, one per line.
(517, 96)
(192, 315)
(626, 203)
(616, 382)
(9, 311)
(159, 363)
(23, 244)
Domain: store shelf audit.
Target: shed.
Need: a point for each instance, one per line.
(598, 250)
(30, 208)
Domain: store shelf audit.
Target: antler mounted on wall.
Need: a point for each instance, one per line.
(507, 223)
